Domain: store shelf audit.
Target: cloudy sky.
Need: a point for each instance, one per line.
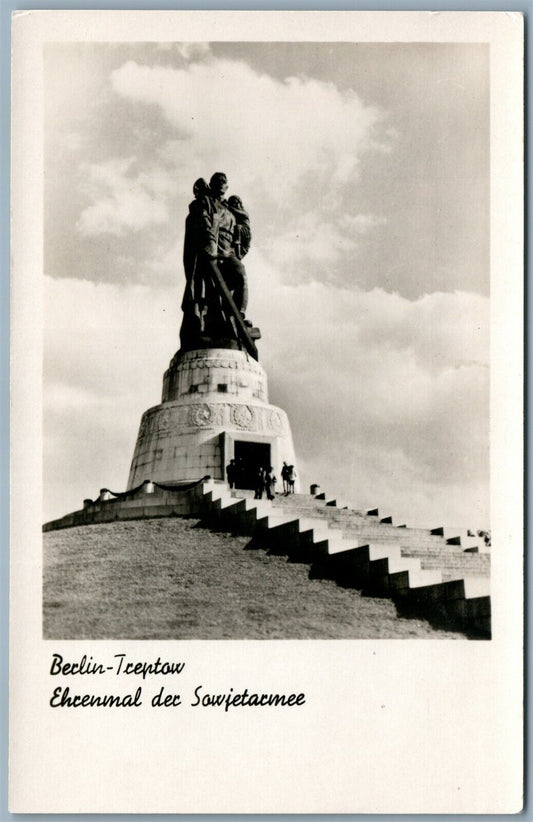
(365, 169)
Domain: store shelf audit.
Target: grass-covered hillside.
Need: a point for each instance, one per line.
(174, 579)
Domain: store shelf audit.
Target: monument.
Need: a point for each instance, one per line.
(214, 406)
(214, 416)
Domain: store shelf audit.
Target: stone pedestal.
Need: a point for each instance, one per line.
(214, 408)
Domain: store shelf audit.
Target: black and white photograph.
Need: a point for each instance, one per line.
(342, 254)
(270, 323)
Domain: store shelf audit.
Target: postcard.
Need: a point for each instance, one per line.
(267, 357)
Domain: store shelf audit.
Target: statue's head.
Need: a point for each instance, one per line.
(200, 187)
(218, 184)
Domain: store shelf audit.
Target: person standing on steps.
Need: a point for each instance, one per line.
(291, 477)
(270, 482)
(231, 473)
(285, 478)
(259, 483)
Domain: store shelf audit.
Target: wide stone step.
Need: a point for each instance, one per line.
(299, 502)
(411, 579)
(296, 501)
(449, 575)
(457, 564)
(382, 528)
(458, 573)
(465, 588)
(483, 560)
(415, 540)
(334, 522)
(479, 563)
(295, 526)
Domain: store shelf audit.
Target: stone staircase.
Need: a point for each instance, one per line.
(426, 573)
(437, 574)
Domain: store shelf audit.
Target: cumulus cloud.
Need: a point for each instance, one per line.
(231, 116)
(193, 51)
(316, 243)
(122, 199)
(105, 350)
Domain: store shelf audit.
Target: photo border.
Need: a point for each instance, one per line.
(4, 239)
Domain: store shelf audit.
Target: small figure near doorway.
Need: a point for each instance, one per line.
(270, 483)
(285, 478)
(259, 483)
(231, 473)
(290, 479)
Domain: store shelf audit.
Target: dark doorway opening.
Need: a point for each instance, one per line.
(249, 456)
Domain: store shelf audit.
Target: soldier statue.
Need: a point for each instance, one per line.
(217, 237)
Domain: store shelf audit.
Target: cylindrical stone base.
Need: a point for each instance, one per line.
(215, 408)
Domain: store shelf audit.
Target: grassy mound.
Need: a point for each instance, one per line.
(174, 579)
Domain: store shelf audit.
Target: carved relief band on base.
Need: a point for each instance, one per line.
(173, 418)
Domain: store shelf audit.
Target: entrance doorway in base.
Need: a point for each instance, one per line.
(249, 456)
